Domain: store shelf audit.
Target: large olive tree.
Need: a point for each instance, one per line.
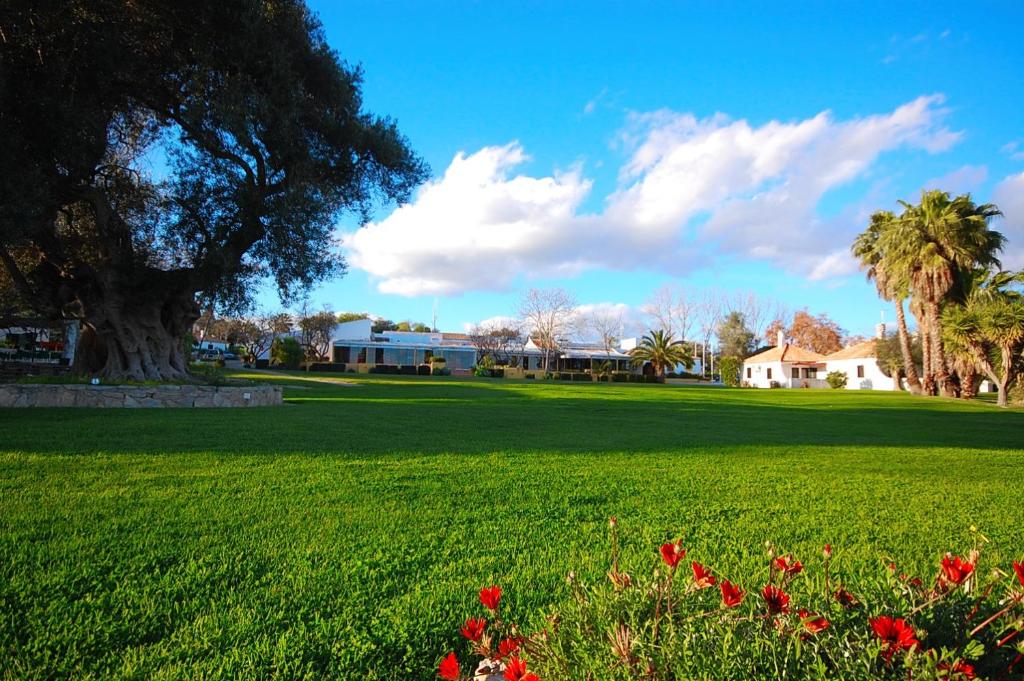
(154, 153)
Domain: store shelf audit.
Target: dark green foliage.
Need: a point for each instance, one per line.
(730, 368)
(265, 140)
(734, 338)
(286, 352)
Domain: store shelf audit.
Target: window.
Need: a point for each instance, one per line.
(860, 371)
(748, 372)
(361, 357)
(794, 373)
(769, 373)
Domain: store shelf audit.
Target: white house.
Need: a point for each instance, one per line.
(860, 364)
(785, 366)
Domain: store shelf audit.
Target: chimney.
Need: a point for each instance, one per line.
(780, 338)
(880, 331)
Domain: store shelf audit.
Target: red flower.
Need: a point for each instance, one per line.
(896, 635)
(955, 570)
(672, 554)
(474, 629)
(702, 576)
(490, 597)
(827, 551)
(776, 600)
(958, 670)
(508, 646)
(449, 669)
(1019, 569)
(812, 622)
(788, 565)
(845, 598)
(516, 671)
(731, 594)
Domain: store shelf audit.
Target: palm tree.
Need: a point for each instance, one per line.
(662, 351)
(890, 287)
(988, 328)
(930, 245)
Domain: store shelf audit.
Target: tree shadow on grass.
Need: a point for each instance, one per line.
(411, 418)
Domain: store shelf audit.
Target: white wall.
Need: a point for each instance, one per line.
(873, 379)
(357, 329)
(759, 374)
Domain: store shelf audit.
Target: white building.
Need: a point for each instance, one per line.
(784, 366)
(860, 364)
(791, 367)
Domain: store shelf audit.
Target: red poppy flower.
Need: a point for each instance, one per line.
(672, 554)
(776, 600)
(702, 577)
(813, 622)
(788, 565)
(896, 635)
(449, 669)
(490, 597)
(958, 670)
(845, 598)
(508, 646)
(474, 629)
(731, 594)
(827, 551)
(1019, 569)
(955, 570)
(516, 671)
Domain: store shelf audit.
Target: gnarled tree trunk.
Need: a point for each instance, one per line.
(136, 334)
(938, 356)
(913, 381)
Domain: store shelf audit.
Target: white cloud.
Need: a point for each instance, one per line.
(964, 179)
(689, 188)
(1012, 149)
(1009, 196)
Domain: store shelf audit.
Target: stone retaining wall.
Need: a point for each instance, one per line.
(75, 395)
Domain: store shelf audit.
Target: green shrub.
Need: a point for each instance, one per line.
(440, 371)
(675, 616)
(285, 352)
(836, 379)
(730, 368)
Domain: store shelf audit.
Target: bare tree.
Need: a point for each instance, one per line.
(549, 316)
(315, 331)
(709, 309)
(499, 341)
(606, 325)
(671, 310)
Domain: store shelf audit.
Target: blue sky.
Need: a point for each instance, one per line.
(609, 148)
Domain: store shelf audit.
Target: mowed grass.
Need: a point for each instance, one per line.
(346, 534)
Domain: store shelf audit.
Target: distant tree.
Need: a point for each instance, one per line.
(708, 311)
(670, 310)
(605, 325)
(315, 334)
(730, 368)
(265, 144)
(420, 327)
(495, 342)
(382, 325)
(890, 357)
(771, 334)
(286, 352)
(734, 338)
(351, 316)
(662, 352)
(817, 333)
(549, 316)
(280, 323)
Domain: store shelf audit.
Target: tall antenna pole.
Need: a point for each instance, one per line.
(434, 325)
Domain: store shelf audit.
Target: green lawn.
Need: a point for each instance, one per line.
(345, 535)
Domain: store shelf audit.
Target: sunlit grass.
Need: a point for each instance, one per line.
(345, 534)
